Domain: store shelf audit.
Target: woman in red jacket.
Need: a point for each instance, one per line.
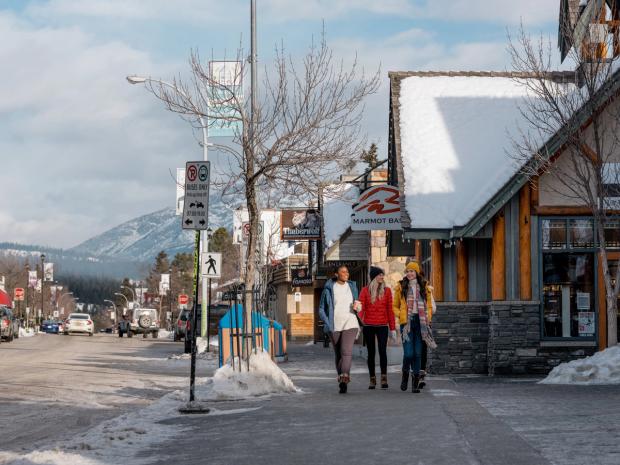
(377, 316)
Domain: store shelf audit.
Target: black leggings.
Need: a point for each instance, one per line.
(381, 333)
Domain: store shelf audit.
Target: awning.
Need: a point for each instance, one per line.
(5, 299)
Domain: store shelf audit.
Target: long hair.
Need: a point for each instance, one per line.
(404, 285)
(377, 290)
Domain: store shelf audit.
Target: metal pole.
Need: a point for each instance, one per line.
(42, 288)
(193, 329)
(205, 237)
(209, 317)
(26, 292)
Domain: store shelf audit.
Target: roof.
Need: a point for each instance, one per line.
(451, 135)
(495, 193)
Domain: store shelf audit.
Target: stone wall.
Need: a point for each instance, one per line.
(497, 338)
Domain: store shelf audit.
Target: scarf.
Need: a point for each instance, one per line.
(415, 301)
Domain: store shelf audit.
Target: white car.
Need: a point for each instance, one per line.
(79, 323)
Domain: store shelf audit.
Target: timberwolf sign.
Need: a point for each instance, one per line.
(300, 224)
(377, 208)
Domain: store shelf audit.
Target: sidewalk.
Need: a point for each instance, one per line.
(439, 426)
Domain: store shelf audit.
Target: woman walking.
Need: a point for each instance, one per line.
(337, 310)
(377, 316)
(412, 301)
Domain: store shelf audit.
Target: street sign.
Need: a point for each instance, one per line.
(183, 299)
(196, 203)
(297, 296)
(19, 293)
(211, 265)
(56, 314)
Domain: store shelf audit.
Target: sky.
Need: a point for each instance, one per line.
(83, 151)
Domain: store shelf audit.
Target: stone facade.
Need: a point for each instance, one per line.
(496, 338)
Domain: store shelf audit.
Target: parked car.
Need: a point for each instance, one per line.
(144, 321)
(182, 328)
(79, 323)
(9, 325)
(51, 326)
(124, 327)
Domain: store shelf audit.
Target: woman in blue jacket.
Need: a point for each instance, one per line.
(337, 310)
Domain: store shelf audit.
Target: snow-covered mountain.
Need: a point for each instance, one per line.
(143, 238)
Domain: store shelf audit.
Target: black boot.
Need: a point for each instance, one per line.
(384, 383)
(422, 376)
(373, 382)
(405, 381)
(342, 386)
(415, 386)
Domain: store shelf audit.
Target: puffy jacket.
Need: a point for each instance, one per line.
(380, 313)
(400, 304)
(326, 305)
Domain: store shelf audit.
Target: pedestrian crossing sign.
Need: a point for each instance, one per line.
(211, 265)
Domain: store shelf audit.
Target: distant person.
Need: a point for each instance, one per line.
(378, 318)
(336, 308)
(412, 303)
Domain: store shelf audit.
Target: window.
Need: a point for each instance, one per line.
(611, 231)
(568, 295)
(554, 234)
(581, 233)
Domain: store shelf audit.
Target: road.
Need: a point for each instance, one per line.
(55, 386)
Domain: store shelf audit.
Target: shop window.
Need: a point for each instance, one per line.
(611, 231)
(554, 234)
(581, 233)
(568, 295)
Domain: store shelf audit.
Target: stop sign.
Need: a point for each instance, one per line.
(19, 293)
(183, 299)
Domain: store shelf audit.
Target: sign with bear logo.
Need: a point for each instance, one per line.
(300, 224)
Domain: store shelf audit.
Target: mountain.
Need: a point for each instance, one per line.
(142, 238)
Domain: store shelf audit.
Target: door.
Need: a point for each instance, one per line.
(614, 261)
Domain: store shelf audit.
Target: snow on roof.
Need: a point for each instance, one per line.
(338, 200)
(455, 135)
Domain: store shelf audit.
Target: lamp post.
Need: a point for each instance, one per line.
(124, 297)
(59, 299)
(115, 314)
(203, 237)
(133, 294)
(42, 289)
(26, 289)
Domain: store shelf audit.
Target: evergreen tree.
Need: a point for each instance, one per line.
(370, 156)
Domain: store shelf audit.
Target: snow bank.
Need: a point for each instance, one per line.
(23, 332)
(163, 334)
(264, 378)
(601, 368)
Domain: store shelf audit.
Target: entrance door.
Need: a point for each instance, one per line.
(614, 261)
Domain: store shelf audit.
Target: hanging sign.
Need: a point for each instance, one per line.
(48, 271)
(300, 276)
(378, 208)
(300, 224)
(32, 279)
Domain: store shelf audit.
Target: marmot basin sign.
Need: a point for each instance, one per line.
(377, 208)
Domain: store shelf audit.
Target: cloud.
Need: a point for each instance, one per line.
(82, 150)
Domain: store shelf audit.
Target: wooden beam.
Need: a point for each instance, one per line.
(568, 211)
(525, 243)
(462, 274)
(437, 269)
(535, 192)
(418, 251)
(498, 258)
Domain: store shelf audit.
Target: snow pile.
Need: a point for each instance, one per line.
(601, 368)
(264, 378)
(201, 351)
(163, 334)
(23, 332)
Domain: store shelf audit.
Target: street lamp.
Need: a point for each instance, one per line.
(42, 288)
(124, 297)
(133, 294)
(133, 79)
(115, 313)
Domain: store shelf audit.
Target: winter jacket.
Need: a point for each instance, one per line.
(326, 305)
(400, 304)
(380, 313)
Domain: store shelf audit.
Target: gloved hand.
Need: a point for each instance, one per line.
(393, 335)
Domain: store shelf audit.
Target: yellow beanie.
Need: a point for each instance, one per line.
(415, 266)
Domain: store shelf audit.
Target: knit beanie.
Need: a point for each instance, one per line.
(375, 271)
(415, 266)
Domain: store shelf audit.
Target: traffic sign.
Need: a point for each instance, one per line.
(183, 299)
(19, 293)
(211, 265)
(196, 203)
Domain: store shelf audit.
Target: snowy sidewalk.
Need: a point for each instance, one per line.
(438, 426)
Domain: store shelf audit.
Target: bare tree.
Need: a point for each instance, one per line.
(306, 126)
(584, 115)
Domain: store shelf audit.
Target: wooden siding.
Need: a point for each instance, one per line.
(479, 264)
(352, 246)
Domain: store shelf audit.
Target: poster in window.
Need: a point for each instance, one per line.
(586, 323)
(583, 301)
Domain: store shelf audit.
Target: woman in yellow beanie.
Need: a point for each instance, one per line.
(413, 308)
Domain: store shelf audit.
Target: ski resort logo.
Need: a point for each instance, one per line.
(377, 208)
